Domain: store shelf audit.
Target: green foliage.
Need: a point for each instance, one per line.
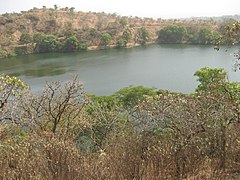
(3, 53)
(47, 43)
(9, 87)
(83, 46)
(94, 33)
(37, 38)
(172, 34)
(24, 49)
(143, 35)
(127, 35)
(130, 96)
(127, 97)
(193, 38)
(13, 84)
(25, 38)
(121, 42)
(206, 36)
(105, 39)
(123, 21)
(71, 44)
(210, 76)
(105, 102)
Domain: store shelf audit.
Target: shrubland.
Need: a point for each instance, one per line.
(136, 133)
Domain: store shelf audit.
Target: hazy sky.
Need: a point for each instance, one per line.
(142, 8)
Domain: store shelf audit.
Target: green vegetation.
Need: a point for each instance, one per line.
(71, 44)
(172, 34)
(206, 36)
(48, 43)
(142, 36)
(123, 21)
(137, 132)
(121, 43)
(25, 39)
(179, 34)
(105, 39)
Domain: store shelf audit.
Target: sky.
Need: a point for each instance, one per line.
(142, 8)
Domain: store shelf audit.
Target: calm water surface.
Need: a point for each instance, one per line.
(104, 72)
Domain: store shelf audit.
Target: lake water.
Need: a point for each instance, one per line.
(103, 72)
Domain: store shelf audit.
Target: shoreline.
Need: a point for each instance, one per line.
(90, 48)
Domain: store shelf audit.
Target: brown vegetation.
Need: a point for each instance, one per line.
(62, 134)
(86, 26)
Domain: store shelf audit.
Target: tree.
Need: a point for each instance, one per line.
(175, 121)
(71, 44)
(127, 35)
(130, 96)
(10, 88)
(172, 34)
(221, 99)
(208, 76)
(55, 7)
(72, 9)
(142, 35)
(121, 43)
(107, 117)
(207, 36)
(231, 37)
(105, 39)
(47, 43)
(57, 109)
(25, 38)
(123, 21)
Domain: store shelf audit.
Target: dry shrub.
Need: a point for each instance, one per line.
(40, 158)
(169, 136)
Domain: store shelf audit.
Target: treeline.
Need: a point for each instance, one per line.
(71, 41)
(136, 133)
(176, 34)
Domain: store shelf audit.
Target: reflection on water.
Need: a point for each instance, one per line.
(103, 72)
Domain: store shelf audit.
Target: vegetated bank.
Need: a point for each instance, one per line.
(65, 30)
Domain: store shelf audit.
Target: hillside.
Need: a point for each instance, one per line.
(20, 31)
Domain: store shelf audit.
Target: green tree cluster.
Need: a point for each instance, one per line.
(50, 43)
(207, 36)
(178, 34)
(172, 34)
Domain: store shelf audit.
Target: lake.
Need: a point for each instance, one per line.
(103, 72)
